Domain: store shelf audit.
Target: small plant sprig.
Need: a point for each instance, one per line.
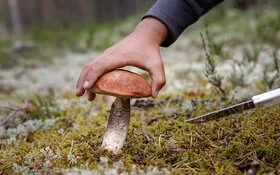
(215, 48)
(251, 56)
(268, 82)
(210, 69)
(244, 67)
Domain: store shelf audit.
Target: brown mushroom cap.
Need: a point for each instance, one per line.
(122, 83)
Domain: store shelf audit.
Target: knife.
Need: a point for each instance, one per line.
(260, 101)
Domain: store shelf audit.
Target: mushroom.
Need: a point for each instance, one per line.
(123, 85)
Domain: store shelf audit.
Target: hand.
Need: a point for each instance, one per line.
(139, 49)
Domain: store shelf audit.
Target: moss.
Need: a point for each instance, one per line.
(176, 145)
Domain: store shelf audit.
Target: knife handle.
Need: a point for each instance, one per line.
(267, 99)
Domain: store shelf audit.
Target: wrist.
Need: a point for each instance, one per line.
(151, 30)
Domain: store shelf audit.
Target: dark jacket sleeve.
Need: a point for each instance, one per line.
(177, 15)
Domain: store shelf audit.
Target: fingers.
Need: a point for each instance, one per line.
(83, 82)
(95, 72)
(89, 75)
(79, 86)
(91, 96)
(91, 72)
(158, 77)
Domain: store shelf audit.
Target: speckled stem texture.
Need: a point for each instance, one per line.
(117, 127)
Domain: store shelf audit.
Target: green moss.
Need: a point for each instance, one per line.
(176, 145)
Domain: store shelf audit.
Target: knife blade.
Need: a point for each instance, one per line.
(263, 100)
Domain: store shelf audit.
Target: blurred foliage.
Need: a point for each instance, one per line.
(260, 24)
(271, 73)
(48, 42)
(227, 25)
(211, 49)
(268, 28)
(4, 62)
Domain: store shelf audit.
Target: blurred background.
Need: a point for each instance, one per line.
(20, 15)
(17, 16)
(63, 22)
(36, 34)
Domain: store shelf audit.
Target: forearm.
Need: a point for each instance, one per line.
(151, 30)
(177, 15)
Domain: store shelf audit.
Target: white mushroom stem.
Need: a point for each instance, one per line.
(117, 127)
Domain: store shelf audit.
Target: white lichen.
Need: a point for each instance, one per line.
(104, 168)
(61, 131)
(72, 159)
(30, 126)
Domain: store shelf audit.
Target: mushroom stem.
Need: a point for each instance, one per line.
(117, 127)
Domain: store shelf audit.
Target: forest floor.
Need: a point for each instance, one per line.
(45, 129)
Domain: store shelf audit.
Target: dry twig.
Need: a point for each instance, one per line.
(143, 123)
(14, 111)
(230, 136)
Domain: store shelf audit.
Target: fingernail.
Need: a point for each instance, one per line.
(86, 83)
(155, 94)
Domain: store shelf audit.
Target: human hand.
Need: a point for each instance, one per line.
(139, 49)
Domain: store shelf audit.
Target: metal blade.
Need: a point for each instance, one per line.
(238, 108)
